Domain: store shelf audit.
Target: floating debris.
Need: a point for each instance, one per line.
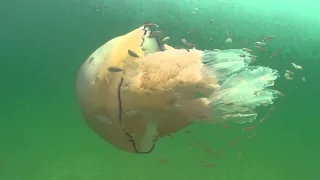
(228, 41)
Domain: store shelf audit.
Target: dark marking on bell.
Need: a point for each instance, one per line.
(132, 54)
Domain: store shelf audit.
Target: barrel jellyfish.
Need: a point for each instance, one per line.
(132, 90)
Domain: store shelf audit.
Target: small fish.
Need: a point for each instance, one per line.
(274, 53)
(253, 134)
(151, 25)
(229, 103)
(211, 21)
(227, 33)
(114, 69)
(212, 151)
(201, 143)
(236, 138)
(252, 60)
(246, 49)
(267, 38)
(267, 116)
(252, 56)
(260, 49)
(290, 72)
(280, 93)
(164, 160)
(187, 132)
(242, 55)
(222, 150)
(259, 43)
(262, 120)
(272, 108)
(166, 39)
(225, 126)
(303, 79)
(249, 128)
(155, 34)
(189, 44)
(228, 41)
(297, 66)
(192, 32)
(288, 77)
(132, 54)
(209, 165)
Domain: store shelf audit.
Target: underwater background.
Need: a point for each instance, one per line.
(44, 137)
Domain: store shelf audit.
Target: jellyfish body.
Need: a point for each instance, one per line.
(132, 91)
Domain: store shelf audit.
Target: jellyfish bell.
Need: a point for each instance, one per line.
(98, 87)
(132, 91)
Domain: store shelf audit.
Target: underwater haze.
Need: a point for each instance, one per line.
(43, 135)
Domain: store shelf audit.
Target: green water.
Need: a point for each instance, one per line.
(43, 135)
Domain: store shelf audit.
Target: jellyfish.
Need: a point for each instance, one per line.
(133, 91)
